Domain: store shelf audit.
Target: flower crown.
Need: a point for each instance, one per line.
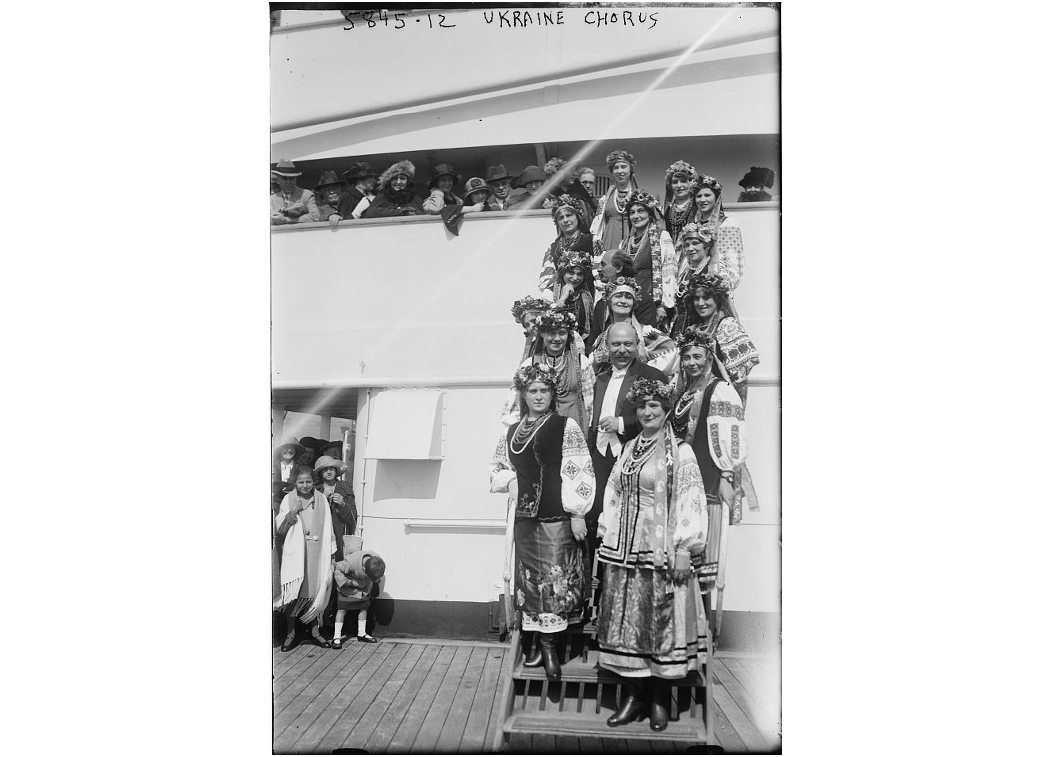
(712, 283)
(694, 337)
(526, 305)
(530, 373)
(702, 233)
(644, 389)
(624, 281)
(682, 167)
(553, 166)
(620, 156)
(645, 199)
(566, 201)
(575, 259)
(555, 317)
(707, 181)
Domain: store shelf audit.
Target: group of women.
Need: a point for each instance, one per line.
(674, 487)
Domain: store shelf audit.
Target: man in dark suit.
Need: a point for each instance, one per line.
(613, 418)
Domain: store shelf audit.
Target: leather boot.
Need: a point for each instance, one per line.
(631, 707)
(550, 657)
(534, 659)
(660, 704)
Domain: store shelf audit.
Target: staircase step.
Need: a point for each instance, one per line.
(590, 724)
(576, 670)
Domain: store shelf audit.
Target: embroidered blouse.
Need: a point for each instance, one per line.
(726, 430)
(582, 387)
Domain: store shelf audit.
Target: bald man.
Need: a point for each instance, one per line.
(613, 418)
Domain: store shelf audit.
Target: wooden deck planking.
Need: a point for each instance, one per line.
(406, 733)
(426, 698)
(482, 711)
(441, 716)
(379, 740)
(358, 703)
(305, 731)
(491, 729)
(364, 727)
(293, 700)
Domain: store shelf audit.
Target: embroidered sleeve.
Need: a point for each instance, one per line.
(598, 222)
(587, 386)
(728, 254)
(727, 431)
(669, 270)
(662, 352)
(578, 475)
(691, 515)
(501, 471)
(736, 350)
(609, 518)
(546, 278)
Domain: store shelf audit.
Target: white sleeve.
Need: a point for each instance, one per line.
(501, 471)
(577, 472)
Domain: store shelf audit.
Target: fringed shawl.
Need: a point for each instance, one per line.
(292, 566)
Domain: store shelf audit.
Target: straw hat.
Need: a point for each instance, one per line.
(286, 169)
(289, 441)
(329, 462)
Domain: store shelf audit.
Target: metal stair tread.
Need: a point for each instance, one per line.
(590, 724)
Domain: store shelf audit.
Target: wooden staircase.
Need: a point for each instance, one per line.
(580, 703)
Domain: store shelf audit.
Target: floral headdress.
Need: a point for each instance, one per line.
(624, 283)
(682, 167)
(565, 201)
(700, 232)
(707, 181)
(694, 337)
(530, 373)
(649, 389)
(620, 156)
(555, 317)
(553, 166)
(710, 282)
(644, 199)
(574, 259)
(528, 304)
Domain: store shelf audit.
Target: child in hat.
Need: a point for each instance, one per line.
(355, 577)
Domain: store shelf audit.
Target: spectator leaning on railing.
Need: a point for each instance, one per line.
(361, 180)
(329, 190)
(500, 182)
(396, 193)
(291, 204)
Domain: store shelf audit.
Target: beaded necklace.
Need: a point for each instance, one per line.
(634, 245)
(526, 431)
(558, 366)
(641, 452)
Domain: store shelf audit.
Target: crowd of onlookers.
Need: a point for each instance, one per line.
(360, 192)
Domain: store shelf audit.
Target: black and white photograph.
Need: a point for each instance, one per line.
(526, 378)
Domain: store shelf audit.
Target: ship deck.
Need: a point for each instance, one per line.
(430, 696)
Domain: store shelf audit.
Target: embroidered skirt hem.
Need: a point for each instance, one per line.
(550, 579)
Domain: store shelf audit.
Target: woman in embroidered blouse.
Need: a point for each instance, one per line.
(652, 258)
(727, 254)
(525, 311)
(559, 348)
(566, 213)
(710, 311)
(655, 348)
(543, 463)
(678, 192)
(708, 415)
(574, 289)
(610, 223)
(695, 246)
(651, 623)
(305, 567)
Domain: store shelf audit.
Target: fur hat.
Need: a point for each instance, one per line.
(404, 167)
(758, 177)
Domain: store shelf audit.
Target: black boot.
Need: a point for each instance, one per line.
(631, 707)
(550, 657)
(534, 658)
(660, 704)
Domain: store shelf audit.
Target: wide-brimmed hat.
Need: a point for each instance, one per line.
(326, 461)
(289, 441)
(444, 169)
(474, 185)
(333, 443)
(311, 443)
(286, 169)
(496, 173)
(758, 177)
(359, 171)
(330, 178)
(530, 173)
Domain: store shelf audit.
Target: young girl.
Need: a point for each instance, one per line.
(355, 577)
(305, 567)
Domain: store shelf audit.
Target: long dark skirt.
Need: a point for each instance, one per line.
(550, 579)
(649, 626)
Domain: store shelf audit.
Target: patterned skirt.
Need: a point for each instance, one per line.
(648, 626)
(550, 580)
